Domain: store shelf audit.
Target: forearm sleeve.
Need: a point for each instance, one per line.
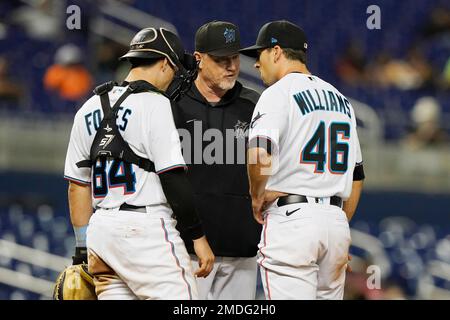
(358, 173)
(179, 194)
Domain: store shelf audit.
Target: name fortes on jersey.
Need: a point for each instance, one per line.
(323, 100)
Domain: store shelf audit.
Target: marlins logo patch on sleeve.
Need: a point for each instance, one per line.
(256, 118)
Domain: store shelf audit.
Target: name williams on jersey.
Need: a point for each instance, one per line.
(325, 100)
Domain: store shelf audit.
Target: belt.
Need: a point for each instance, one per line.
(129, 207)
(295, 198)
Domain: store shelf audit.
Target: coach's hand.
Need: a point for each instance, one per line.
(205, 257)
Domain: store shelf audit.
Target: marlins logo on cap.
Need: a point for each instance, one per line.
(230, 35)
(218, 38)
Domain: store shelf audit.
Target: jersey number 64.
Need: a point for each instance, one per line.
(120, 174)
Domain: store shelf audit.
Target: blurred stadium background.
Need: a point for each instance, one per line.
(398, 78)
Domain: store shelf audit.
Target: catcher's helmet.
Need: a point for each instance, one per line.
(150, 43)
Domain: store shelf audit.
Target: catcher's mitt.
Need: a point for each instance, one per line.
(75, 283)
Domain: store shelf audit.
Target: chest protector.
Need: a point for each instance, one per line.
(108, 142)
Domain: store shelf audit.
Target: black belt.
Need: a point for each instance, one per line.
(295, 198)
(129, 207)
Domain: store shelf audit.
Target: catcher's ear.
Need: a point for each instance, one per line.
(165, 65)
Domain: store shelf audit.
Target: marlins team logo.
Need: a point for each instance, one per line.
(230, 35)
(256, 118)
(240, 129)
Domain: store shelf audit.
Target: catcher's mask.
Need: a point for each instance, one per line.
(152, 43)
(183, 80)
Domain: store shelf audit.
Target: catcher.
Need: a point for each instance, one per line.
(127, 184)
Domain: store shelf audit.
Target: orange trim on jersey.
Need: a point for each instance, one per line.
(314, 163)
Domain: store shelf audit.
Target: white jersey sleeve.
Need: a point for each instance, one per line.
(77, 150)
(165, 145)
(270, 118)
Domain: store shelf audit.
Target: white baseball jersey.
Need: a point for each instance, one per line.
(146, 123)
(312, 128)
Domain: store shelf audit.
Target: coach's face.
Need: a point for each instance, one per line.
(218, 72)
(264, 63)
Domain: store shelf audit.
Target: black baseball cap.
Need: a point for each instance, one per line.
(218, 38)
(282, 33)
(151, 43)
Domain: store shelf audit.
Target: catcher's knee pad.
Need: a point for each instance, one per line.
(75, 283)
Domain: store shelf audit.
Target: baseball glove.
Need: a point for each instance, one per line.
(75, 283)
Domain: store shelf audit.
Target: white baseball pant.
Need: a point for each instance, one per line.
(135, 255)
(232, 278)
(304, 255)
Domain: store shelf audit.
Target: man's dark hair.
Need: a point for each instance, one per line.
(292, 54)
(139, 62)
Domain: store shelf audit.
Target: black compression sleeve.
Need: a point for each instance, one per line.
(358, 173)
(179, 194)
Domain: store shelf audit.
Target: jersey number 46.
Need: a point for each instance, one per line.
(326, 147)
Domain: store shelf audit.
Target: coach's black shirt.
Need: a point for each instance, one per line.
(217, 169)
